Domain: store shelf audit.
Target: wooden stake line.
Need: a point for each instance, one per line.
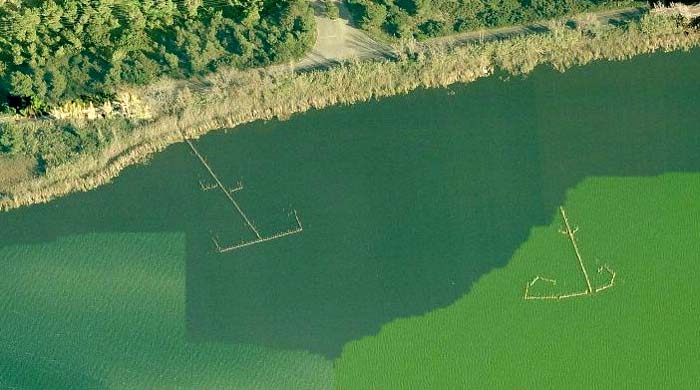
(610, 284)
(570, 233)
(207, 187)
(296, 230)
(228, 192)
(238, 187)
(555, 297)
(223, 189)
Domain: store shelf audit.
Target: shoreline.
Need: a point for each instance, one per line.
(195, 107)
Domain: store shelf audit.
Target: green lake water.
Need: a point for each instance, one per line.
(643, 332)
(405, 202)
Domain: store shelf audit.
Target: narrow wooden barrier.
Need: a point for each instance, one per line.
(610, 284)
(228, 192)
(296, 230)
(207, 187)
(221, 186)
(238, 187)
(571, 234)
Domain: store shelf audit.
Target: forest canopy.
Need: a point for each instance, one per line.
(429, 18)
(52, 51)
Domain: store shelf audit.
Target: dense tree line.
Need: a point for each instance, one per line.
(428, 18)
(53, 51)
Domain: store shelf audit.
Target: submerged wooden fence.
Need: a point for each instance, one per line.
(590, 290)
(229, 194)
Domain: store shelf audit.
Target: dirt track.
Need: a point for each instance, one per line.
(612, 17)
(338, 40)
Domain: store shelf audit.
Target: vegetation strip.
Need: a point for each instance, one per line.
(421, 19)
(230, 97)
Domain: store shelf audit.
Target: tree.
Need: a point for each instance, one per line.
(432, 28)
(59, 50)
(331, 9)
(7, 139)
(546, 9)
(374, 14)
(501, 12)
(413, 7)
(20, 84)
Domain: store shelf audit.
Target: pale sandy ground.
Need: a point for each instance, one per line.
(337, 41)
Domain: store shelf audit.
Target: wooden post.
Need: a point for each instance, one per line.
(570, 233)
(221, 186)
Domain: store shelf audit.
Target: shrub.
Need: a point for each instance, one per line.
(63, 50)
(331, 9)
(431, 28)
(400, 18)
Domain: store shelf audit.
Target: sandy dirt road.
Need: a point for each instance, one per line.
(338, 40)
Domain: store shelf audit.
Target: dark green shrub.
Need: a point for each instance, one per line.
(432, 28)
(422, 18)
(54, 51)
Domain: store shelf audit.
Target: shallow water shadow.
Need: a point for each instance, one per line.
(405, 202)
(402, 212)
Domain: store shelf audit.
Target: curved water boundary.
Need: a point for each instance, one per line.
(405, 202)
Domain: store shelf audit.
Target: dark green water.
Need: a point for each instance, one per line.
(405, 202)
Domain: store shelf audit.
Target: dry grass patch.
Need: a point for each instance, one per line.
(15, 169)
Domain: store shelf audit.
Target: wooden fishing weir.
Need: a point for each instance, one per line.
(259, 240)
(590, 290)
(229, 194)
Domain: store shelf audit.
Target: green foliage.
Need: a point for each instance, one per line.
(424, 19)
(660, 24)
(54, 143)
(373, 15)
(20, 84)
(502, 12)
(547, 9)
(7, 140)
(432, 28)
(331, 9)
(413, 7)
(60, 50)
(204, 104)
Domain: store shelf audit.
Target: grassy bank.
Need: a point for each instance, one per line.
(642, 333)
(228, 98)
